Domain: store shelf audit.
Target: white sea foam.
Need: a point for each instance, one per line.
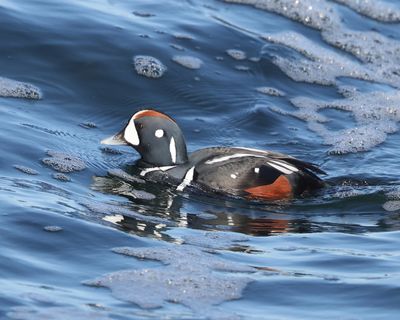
(64, 162)
(375, 9)
(214, 240)
(61, 177)
(379, 54)
(194, 285)
(392, 206)
(183, 36)
(271, 91)
(149, 66)
(393, 203)
(315, 64)
(236, 54)
(17, 89)
(26, 170)
(376, 114)
(188, 61)
(53, 228)
(314, 13)
(364, 55)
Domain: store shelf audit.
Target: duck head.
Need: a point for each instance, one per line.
(156, 136)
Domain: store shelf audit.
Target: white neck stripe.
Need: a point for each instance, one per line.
(187, 179)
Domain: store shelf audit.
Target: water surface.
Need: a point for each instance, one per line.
(315, 79)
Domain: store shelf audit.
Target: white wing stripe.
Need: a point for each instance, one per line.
(233, 156)
(281, 169)
(287, 166)
(255, 150)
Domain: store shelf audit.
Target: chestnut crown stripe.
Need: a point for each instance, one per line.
(150, 113)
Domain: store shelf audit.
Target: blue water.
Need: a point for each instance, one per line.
(195, 256)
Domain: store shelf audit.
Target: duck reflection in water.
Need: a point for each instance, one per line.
(190, 209)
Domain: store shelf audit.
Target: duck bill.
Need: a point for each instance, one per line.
(115, 140)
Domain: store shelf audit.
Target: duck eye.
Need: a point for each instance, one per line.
(140, 125)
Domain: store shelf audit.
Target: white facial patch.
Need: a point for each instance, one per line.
(257, 170)
(131, 134)
(172, 150)
(159, 133)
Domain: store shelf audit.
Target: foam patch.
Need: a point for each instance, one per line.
(64, 162)
(17, 89)
(26, 170)
(61, 177)
(193, 285)
(312, 63)
(376, 114)
(376, 9)
(188, 61)
(271, 91)
(236, 54)
(314, 13)
(149, 66)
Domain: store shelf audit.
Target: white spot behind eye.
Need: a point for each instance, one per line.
(159, 133)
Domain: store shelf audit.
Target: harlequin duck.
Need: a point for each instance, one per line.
(243, 172)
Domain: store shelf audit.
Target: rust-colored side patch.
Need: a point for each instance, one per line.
(279, 189)
(150, 113)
